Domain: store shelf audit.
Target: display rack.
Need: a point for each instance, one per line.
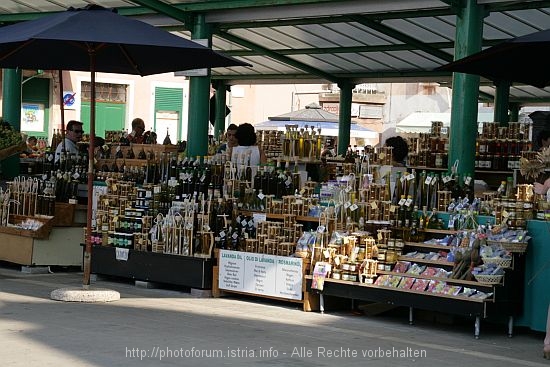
(505, 299)
(186, 271)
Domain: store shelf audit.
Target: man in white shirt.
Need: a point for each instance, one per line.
(73, 134)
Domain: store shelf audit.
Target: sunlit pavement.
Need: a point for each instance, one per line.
(164, 327)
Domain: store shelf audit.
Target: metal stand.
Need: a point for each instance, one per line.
(411, 317)
(321, 303)
(477, 327)
(510, 326)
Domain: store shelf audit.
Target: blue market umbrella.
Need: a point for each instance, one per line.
(518, 59)
(97, 39)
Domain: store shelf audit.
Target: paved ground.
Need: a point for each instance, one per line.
(162, 327)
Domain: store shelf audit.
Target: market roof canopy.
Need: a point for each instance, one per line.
(313, 112)
(324, 41)
(314, 116)
(421, 122)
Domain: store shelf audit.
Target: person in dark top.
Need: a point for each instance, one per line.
(137, 135)
(400, 150)
(231, 140)
(543, 139)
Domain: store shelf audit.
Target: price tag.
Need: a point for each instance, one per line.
(446, 179)
(468, 180)
(402, 202)
(302, 191)
(408, 202)
(428, 180)
(505, 214)
(354, 207)
(347, 204)
(244, 222)
(451, 224)
(326, 254)
(410, 176)
(393, 208)
(321, 229)
(337, 260)
(261, 196)
(235, 235)
(348, 189)
(257, 218)
(380, 236)
(402, 178)
(121, 254)
(374, 206)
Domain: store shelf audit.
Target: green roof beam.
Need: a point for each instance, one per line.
(402, 37)
(267, 52)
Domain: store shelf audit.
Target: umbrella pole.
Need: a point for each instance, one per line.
(62, 105)
(88, 248)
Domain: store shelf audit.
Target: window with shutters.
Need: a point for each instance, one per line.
(104, 92)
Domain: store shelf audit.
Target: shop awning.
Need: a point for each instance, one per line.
(421, 122)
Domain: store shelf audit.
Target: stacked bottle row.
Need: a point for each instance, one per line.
(301, 143)
(499, 147)
(431, 149)
(427, 189)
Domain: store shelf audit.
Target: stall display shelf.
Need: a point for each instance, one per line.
(503, 299)
(186, 271)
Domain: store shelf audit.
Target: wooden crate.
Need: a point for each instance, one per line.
(64, 215)
(42, 233)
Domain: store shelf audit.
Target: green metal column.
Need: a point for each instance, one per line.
(502, 99)
(344, 117)
(199, 99)
(469, 31)
(221, 96)
(11, 109)
(514, 111)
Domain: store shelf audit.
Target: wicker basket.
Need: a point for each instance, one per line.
(510, 246)
(12, 150)
(489, 279)
(503, 263)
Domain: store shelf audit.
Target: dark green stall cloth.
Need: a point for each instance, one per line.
(536, 292)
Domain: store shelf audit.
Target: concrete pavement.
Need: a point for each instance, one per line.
(163, 327)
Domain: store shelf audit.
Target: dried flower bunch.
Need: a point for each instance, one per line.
(534, 167)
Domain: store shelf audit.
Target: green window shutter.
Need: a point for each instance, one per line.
(168, 100)
(108, 116)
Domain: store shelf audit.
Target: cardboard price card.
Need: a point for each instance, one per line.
(320, 273)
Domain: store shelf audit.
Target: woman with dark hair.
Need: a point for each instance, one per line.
(400, 150)
(247, 152)
(543, 139)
